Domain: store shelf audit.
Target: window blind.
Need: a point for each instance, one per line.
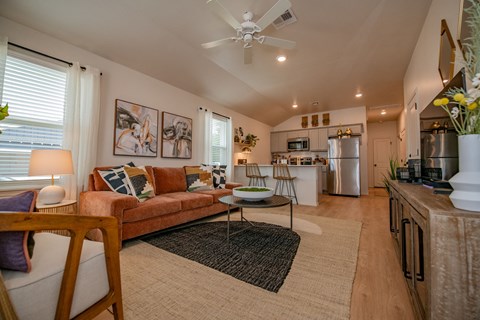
(219, 139)
(35, 93)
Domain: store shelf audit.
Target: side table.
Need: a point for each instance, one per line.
(65, 206)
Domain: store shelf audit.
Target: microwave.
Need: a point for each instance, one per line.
(298, 144)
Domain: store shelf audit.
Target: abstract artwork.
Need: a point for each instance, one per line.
(136, 129)
(176, 136)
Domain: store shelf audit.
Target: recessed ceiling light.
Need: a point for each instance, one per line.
(358, 95)
(445, 81)
(294, 105)
(315, 103)
(383, 112)
(281, 58)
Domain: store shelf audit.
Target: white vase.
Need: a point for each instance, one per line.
(466, 183)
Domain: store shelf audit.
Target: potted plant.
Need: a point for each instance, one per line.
(251, 140)
(392, 174)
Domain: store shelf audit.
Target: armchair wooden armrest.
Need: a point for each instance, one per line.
(78, 227)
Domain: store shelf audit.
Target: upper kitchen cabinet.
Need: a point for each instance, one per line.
(318, 139)
(297, 134)
(278, 142)
(413, 129)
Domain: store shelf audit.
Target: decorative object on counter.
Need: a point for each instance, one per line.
(3, 113)
(392, 174)
(252, 193)
(315, 120)
(326, 119)
(135, 132)
(305, 122)
(466, 183)
(348, 132)
(404, 174)
(242, 161)
(464, 111)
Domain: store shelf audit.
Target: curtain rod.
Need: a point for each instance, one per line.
(218, 114)
(44, 55)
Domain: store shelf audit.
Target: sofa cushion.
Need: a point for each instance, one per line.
(16, 247)
(140, 182)
(152, 208)
(169, 180)
(199, 177)
(216, 193)
(191, 200)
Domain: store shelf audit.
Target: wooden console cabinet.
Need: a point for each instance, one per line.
(438, 248)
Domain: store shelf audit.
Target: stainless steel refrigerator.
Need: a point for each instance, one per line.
(439, 155)
(343, 173)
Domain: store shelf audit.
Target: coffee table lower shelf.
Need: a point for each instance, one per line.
(271, 202)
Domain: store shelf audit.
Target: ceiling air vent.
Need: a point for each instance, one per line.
(285, 19)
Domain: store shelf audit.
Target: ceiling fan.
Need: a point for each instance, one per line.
(248, 31)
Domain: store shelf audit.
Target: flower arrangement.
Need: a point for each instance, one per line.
(465, 112)
(3, 113)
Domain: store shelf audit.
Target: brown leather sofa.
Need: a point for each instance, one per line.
(171, 206)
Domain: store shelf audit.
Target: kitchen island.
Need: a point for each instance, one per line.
(307, 184)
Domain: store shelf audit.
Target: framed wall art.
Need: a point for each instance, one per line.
(176, 136)
(136, 130)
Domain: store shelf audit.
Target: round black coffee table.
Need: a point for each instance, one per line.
(271, 202)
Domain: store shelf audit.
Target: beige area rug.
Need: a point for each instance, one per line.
(161, 285)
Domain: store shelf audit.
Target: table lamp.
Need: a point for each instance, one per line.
(51, 162)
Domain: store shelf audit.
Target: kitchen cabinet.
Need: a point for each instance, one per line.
(318, 139)
(436, 244)
(297, 134)
(278, 142)
(413, 130)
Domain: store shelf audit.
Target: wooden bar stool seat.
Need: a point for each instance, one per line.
(252, 172)
(284, 180)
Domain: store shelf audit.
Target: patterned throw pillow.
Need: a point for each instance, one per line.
(16, 247)
(140, 182)
(116, 180)
(199, 178)
(218, 174)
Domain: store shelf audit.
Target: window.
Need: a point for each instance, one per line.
(219, 148)
(35, 92)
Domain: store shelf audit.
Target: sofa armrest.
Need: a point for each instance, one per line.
(105, 203)
(231, 185)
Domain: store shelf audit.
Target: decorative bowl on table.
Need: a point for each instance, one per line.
(252, 193)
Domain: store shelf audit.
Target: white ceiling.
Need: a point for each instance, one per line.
(343, 46)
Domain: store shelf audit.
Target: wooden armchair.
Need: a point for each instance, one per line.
(78, 227)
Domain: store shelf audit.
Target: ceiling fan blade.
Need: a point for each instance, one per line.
(216, 43)
(223, 13)
(247, 55)
(276, 11)
(276, 42)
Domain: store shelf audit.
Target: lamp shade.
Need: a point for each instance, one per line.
(50, 162)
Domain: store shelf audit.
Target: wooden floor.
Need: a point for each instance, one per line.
(379, 291)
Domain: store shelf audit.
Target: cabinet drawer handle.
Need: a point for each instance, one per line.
(421, 275)
(406, 273)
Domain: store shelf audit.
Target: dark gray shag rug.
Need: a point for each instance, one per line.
(261, 255)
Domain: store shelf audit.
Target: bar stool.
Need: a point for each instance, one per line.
(282, 175)
(252, 172)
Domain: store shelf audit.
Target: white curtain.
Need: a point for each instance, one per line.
(3, 61)
(81, 125)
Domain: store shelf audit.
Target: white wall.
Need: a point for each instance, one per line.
(339, 117)
(120, 82)
(383, 130)
(422, 73)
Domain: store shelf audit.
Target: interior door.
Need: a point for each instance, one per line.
(381, 160)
